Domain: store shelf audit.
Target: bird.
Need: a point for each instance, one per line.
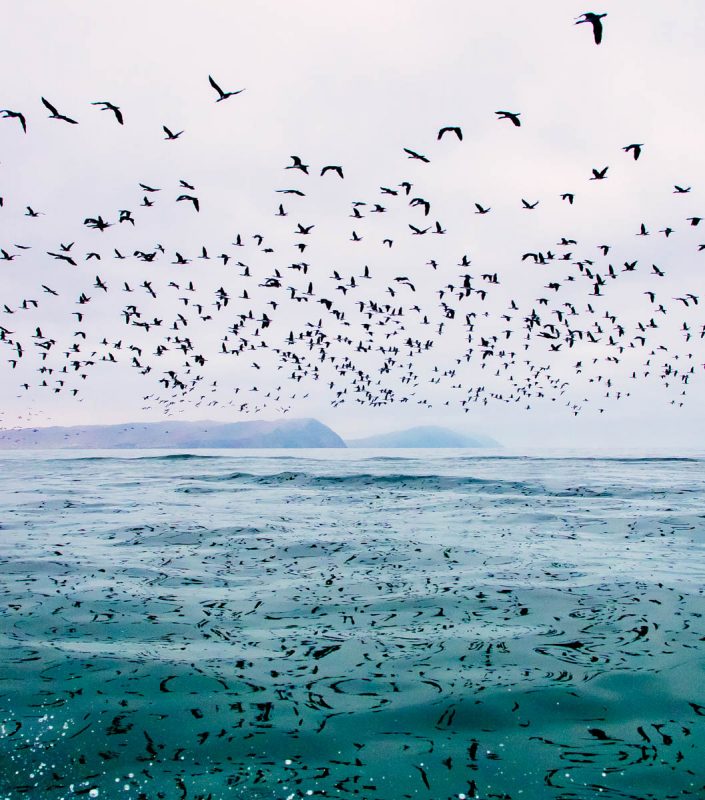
(106, 106)
(514, 117)
(8, 114)
(97, 223)
(569, 197)
(450, 129)
(221, 94)
(681, 189)
(599, 174)
(298, 164)
(635, 150)
(55, 114)
(332, 168)
(62, 257)
(417, 156)
(529, 205)
(481, 210)
(596, 21)
(170, 135)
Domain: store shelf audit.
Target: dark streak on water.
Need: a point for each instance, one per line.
(389, 627)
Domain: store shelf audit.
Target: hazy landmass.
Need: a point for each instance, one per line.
(424, 436)
(250, 434)
(304, 433)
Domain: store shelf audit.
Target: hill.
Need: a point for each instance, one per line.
(425, 436)
(175, 434)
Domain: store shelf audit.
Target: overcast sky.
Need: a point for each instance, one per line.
(353, 85)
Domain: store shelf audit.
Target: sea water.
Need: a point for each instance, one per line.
(351, 624)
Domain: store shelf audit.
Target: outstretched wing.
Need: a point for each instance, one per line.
(50, 106)
(215, 86)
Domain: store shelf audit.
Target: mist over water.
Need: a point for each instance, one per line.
(351, 624)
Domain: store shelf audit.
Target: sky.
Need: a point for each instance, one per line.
(353, 85)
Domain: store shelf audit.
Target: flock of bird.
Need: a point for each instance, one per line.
(374, 335)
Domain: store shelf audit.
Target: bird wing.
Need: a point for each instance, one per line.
(50, 106)
(597, 30)
(215, 86)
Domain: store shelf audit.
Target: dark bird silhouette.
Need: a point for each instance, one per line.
(55, 114)
(298, 164)
(332, 168)
(635, 150)
(62, 257)
(529, 205)
(451, 129)
(514, 117)
(170, 135)
(568, 196)
(481, 210)
(417, 156)
(681, 189)
(97, 223)
(221, 94)
(599, 174)
(190, 197)
(106, 106)
(596, 21)
(7, 114)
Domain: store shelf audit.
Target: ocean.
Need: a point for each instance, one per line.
(351, 624)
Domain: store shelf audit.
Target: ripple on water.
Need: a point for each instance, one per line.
(379, 628)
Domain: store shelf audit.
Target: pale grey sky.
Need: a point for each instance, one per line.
(354, 85)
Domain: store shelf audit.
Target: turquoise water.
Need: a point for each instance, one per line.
(351, 625)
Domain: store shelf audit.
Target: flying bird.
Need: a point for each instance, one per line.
(514, 117)
(170, 135)
(106, 106)
(190, 197)
(298, 164)
(596, 21)
(55, 114)
(415, 155)
(221, 94)
(635, 150)
(451, 129)
(8, 114)
(332, 168)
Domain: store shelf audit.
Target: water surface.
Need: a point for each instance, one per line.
(351, 624)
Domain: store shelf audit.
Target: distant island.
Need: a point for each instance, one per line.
(424, 436)
(175, 435)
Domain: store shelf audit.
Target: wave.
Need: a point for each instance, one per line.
(456, 459)
(162, 457)
(427, 482)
